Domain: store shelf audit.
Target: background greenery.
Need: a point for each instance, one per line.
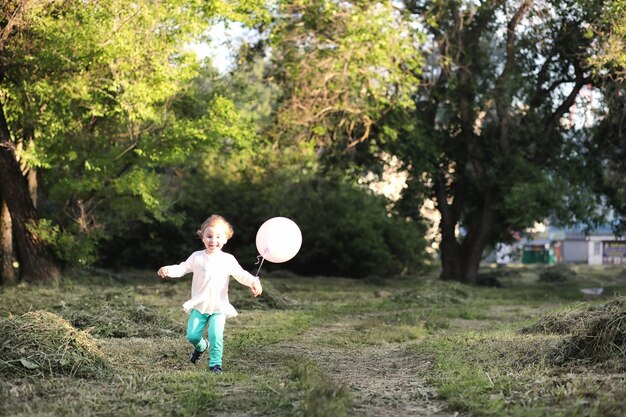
(117, 141)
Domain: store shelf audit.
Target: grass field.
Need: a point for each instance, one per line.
(113, 344)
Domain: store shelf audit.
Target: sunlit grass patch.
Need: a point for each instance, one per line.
(324, 397)
(377, 331)
(253, 329)
(281, 384)
(285, 360)
(196, 393)
(504, 373)
(476, 372)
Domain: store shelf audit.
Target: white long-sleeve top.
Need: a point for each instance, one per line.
(209, 286)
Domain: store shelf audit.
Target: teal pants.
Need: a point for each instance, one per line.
(195, 328)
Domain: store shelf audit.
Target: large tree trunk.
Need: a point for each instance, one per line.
(477, 238)
(36, 259)
(7, 273)
(451, 256)
(461, 261)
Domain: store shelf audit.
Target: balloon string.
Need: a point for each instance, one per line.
(261, 260)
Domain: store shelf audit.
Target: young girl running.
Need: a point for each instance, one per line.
(209, 305)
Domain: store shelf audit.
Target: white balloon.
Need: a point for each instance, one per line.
(278, 239)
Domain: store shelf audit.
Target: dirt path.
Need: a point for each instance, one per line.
(383, 380)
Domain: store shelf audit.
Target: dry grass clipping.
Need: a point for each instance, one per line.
(595, 335)
(557, 273)
(563, 323)
(433, 292)
(40, 342)
(115, 313)
(271, 299)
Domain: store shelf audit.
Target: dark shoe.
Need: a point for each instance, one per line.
(196, 355)
(216, 369)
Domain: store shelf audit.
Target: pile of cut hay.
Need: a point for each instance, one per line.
(118, 314)
(433, 292)
(595, 335)
(563, 323)
(557, 273)
(40, 342)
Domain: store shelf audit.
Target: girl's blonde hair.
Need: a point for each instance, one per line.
(216, 220)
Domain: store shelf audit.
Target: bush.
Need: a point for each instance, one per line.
(346, 230)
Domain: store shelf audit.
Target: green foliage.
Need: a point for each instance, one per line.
(96, 95)
(607, 153)
(489, 139)
(348, 233)
(69, 244)
(346, 230)
(341, 67)
(501, 373)
(467, 106)
(126, 128)
(611, 32)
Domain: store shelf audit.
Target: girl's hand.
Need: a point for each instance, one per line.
(256, 289)
(163, 272)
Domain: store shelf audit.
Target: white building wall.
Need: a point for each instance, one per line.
(595, 248)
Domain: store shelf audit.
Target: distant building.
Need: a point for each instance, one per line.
(606, 249)
(554, 245)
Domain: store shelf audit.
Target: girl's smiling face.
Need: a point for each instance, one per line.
(214, 238)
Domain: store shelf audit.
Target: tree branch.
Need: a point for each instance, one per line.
(553, 118)
(503, 96)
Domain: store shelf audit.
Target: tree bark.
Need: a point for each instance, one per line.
(461, 261)
(8, 274)
(36, 259)
(477, 238)
(451, 257)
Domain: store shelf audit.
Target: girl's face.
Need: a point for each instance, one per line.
(214, 238)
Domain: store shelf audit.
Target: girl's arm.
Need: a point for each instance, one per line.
(246, 278)
(176, 271)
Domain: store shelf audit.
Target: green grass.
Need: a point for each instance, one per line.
(506, 374)
(279, 351)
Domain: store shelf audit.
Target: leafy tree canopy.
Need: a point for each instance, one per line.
(489, 132)
(99, 97)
